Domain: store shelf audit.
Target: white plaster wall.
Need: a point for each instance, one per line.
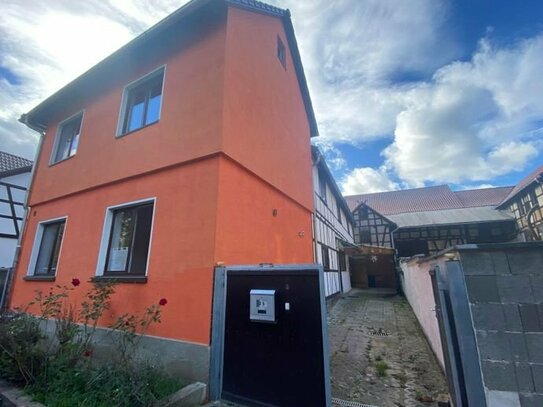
(327, 230)
(346, 279)
(417, 286)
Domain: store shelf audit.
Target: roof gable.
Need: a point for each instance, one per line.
(525, 182)
(110, 67)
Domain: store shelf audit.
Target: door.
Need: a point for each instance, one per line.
(279, 361)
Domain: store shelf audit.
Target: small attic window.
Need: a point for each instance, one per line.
(281, 53)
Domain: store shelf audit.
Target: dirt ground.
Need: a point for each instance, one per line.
(394, 367)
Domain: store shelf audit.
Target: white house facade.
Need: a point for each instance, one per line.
(332, 228)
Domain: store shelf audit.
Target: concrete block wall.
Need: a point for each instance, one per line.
(505, 292)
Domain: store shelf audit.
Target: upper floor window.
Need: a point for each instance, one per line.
(46, 251)
(141, 102)
(67, 138)
(322, 187)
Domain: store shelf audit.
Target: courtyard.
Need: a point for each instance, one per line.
(378, 353)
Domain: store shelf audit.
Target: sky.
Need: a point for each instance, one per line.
(406, 93)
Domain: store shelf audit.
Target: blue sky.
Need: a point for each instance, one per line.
(406, 93)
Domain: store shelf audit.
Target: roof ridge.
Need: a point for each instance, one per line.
(400, 190)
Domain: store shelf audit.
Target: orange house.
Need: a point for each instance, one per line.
(188, 147)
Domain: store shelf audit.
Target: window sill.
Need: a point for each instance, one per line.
(120, 279)
(39, 278)
(136, 130)
(52, 164)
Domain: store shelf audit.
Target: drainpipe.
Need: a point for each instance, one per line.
(41, 130)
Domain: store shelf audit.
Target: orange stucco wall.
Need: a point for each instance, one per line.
(265, 123)
(232, 145)
(247, 230)
(190, 122)
(181, 258)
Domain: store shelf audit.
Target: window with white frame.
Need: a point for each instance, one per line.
(67, 138)
(129, 237)
(142, 102)
(46, 250)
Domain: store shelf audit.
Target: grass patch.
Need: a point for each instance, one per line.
(381, 368)
(103, 386)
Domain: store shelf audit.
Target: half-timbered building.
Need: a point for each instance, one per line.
(428, 220)
(333, 227)
(14, 180)
(525, 202)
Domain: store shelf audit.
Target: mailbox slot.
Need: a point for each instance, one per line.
(262, 305)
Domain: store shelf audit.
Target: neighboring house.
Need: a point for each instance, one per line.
(421, 221)
(187, 148)
(428, 220)
(333, 228)
(15, 174)
(525, 201)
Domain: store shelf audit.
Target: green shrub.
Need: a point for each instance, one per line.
(21, 357)
(61, 372)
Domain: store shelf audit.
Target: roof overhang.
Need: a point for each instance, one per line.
(448, 217)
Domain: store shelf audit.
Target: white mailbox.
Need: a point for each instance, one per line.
(262, 307)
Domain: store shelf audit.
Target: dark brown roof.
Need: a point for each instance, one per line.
(114, 66)
(11, 164)
(434, 198)
(523, 184)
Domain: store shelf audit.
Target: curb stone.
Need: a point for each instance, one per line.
(15, 396)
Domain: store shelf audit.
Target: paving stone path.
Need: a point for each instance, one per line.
(378, 352)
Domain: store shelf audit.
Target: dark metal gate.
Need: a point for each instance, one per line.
(270, 344)
(457, 336)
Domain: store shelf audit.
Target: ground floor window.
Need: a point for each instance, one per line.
(48, 241)
(129, 237)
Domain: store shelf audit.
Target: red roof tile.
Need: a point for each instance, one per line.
(483, 197)
(523, 183)
(428, 199)
(408, 200)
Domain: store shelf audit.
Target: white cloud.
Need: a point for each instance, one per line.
(352, 51)
(48, 44)
(366, 180)
(475, 120)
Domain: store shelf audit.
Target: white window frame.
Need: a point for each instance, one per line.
(58, 134)
(106, 231)
(124, 99)
(37, 243)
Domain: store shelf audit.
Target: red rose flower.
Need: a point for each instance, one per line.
(87, 353)
(163, 301)
(75, 282)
